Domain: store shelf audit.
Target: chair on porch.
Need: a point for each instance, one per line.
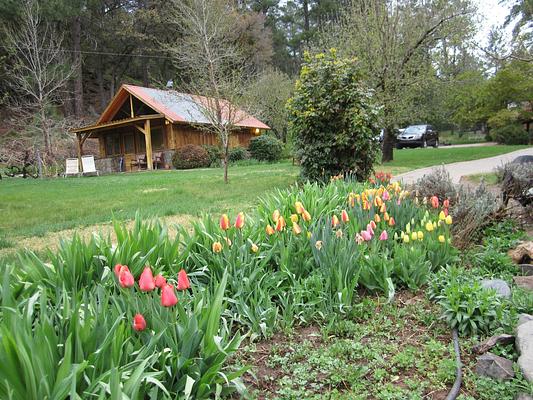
(157, 159)
(87, 163)
(72, 167)
(139, 161)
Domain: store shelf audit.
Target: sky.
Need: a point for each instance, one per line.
(491, 13)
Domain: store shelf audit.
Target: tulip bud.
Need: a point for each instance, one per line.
(344, 216)
(414, 236)
(429, 226)
(334, 221)
(280, 224)
(446, 203)
(296, 228)
(448, 220)
(442, 216)
(420, 235)
(146, 281)
(442, 239)
(377, 218)
(386, 195)
(386, 217)
(183, 280)
(373, 224)
(239, 222)
(299, 207)
(383, 236)
(392, 222)
(434, 201)
(139, 324)
(306, 216)
(294, 218)
(125, 278)
(275, 215)
(269, 230)
(160, 281)
(254, 248)
(168, 296)
(224, 222)
(406, 238)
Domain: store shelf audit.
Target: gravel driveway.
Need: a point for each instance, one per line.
(459, 169)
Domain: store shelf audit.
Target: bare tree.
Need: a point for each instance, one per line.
(40, 67)
(216, 68)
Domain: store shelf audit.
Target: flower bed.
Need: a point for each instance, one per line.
(104, 319)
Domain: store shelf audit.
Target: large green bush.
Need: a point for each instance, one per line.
(238, 153)
(265, 148)
(190, 156)
(215, 154)
(333, 119)
(510, 134)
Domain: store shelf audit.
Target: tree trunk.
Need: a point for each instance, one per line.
(46, 133)
(388, 144)
(305, 5)
(78, 79)
(101, 90)
(226, 161)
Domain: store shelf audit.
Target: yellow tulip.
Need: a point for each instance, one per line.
(275, 215)
(442, 239)
(429, 226)
(254, 248)
(442, 216)
(386, 216)
(406, 238)
(449, 220)
(308, 235)
(377, 218)
(414, 236)
(420, 235)
(294, 217)
(296, 228)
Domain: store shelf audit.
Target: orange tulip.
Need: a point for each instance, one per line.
(224, 222)
(334, 221)
(299, 207)
(217, 247)
(269, 230)
(373, 224)
(377, 201)
(377, 218)
(383, 208)
(386, 217)
(306, 216)
(296, 228)
(280, 224)
(344, 216)
(275, 215)
(239, 222)
(391, 221)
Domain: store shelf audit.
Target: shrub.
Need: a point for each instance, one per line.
(510, 134)
(190, 156)
(237, 154)
(516, 180)
(437, 183)
(265, 148)
(215, 154)
(333, 119)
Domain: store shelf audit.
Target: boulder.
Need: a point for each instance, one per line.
(523, 254)
(523, 318)
(501, 287)
(494, 366)
(524, 282)
(524, 346)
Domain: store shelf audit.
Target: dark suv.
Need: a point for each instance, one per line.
(418, 136)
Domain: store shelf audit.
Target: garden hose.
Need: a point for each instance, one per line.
(454, 392)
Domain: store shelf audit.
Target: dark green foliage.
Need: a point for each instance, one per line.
(333, 119)
(237, 154)
(215, 154)
(190, 156)
(265, 148)
(510, 134)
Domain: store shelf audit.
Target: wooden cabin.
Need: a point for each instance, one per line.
(141, 122)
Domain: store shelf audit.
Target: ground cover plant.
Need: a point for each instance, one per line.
(272, 270)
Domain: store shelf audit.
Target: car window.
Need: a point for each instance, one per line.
(415, 129)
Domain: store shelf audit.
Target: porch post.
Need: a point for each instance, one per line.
(78, 135)
(148, 139)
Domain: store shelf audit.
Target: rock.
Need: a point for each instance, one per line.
(524, 346)
(523, 396)
(523, 318)
(488, 344)
(524, 282)
(494, 366)
(523, 254)
(527, 269)
(501, 287)
(523, 159)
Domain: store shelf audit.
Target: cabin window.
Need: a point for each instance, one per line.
(141, 143)
(158, 140)
(112, 144)
(129, 143)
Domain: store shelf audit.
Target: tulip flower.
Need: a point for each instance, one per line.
(296, 228)
(338, 233)
(168, 296)
(160, 281)
(369, 229)
(414, 236)
(269, 230)
(217, 247)
(442, 216)
(118, 268)
(448, 220)
(406, 238)
(254, 248)
(228, 241)
(318, 244)
(446, 203)
(351, 201)
(383, 208)
(275, 215)
(344, 216)
(125, 278)
(385, 195)
(434, 201)
(384, 235)
(239, 221)
(146, 281)
(377, 218)
(392, 222)
(139, 324)
(420, 235)
(334, 221)
(377, 201)
(280, 224)
(446, 212)
(306, 216)
(358, 238)
(366, 236)
(442, 239)
(294, 218)
(386, 217)
(373, 224)
(224, 222)
(309, 234)
(429, 226)
(299, 207)
(183, 280)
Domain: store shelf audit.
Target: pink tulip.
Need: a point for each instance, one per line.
(125, 278)
(168, 296)
(160, 281)
(369, 229)
(118, 268)
(434, 201)
(366, 236)
(146, 281)
(183, 280)
(383, 236)
(385, 196)
(373, 224)
(139, 323)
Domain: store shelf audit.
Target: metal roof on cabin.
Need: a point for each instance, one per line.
(182, 107)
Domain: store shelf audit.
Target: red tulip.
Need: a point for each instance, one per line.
(239, 222)
(160, 281)
(446, 203)
(434, 201)
(125, 278)
(183, 280)
(344, 216)
(146, 281)
(168, 296)
(224, 222)
(139, 324)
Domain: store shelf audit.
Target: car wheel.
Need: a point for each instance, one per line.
(425, 143)
(436, 143)
(399, 146)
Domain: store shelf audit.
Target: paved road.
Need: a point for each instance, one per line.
(459, 169)
(455, 146)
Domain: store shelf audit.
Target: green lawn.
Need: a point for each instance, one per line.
(460, 137)
(409, 159)
(34, 207)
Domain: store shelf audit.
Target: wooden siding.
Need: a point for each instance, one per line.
(184, 134)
